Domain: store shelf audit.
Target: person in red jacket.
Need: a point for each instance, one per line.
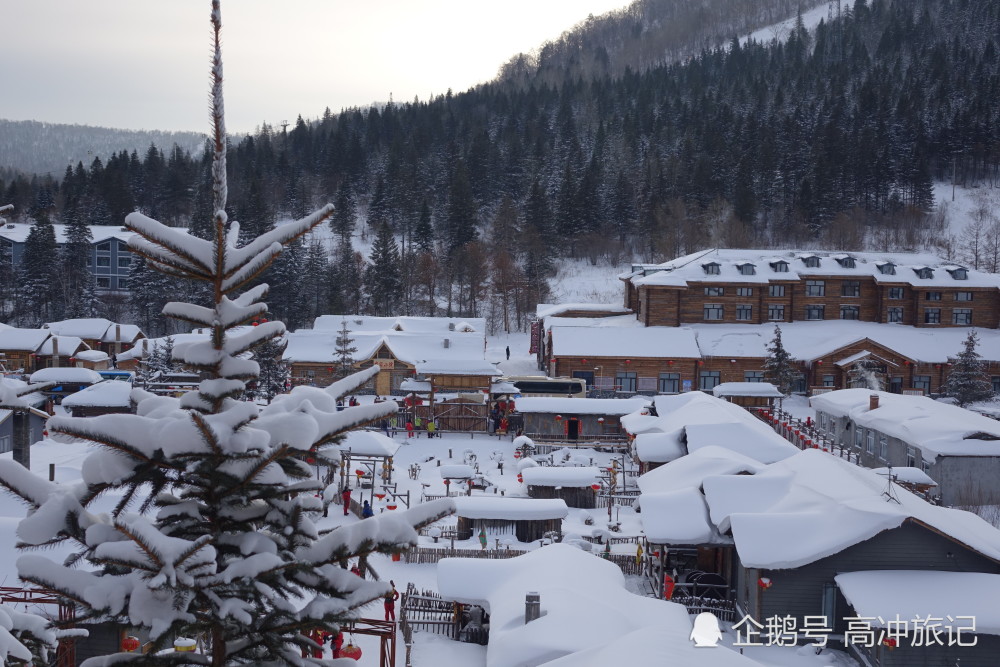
(338, 643)
(345, 495)
(390, 602)
(409, 429)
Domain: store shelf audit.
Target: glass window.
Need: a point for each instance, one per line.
(932, 316)
(780, 267)
(870, 442)
(124, 262)
(963, 296)
(711, 268)
(123, 283)
(104, 261)
(670, 383)
(744, 312)
(961, 316)
(748, 269)
(859, 436)
(625, 381)
(815, 312)
(708, 380)
(883, 448)
(887, 269)
(960, 274)
(894, 314)
(775, 311)
(753, 376)
(713, 311)
(850, 312)
(995, 381)
(932, 296)
(922, 382)
(925, 466)
(104, 283)
(895, 292)
(911, 457)
(744, 291)
(714, 291)
(925, 273)
(815, 288)
(104, 247)
(812, 262)
(776, 290)
(850, 288)
(828, 381)
(847, 262)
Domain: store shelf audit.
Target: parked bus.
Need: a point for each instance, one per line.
(529, 385)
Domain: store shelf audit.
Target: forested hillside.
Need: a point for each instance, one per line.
(832, 136)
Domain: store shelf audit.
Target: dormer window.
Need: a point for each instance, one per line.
(780, 267)
(887, 269)
(747, 269)
(846, 262)
(812, 261)
(924, 272)
(959, 274)
(711, 269)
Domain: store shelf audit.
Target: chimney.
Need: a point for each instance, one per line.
(55, 351)
(532, 606)
(447, 343)
(873, 402)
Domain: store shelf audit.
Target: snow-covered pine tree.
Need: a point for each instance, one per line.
(778, 369)
(273, 369)
(344, 350)
(213, 535)
(968, 381)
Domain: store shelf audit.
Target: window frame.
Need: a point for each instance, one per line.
(850, 288)
(674, 378)
(811, 311)
(776, 291)
(744, 291)
(933, 296)
(855, 310)
(965, 314)
(815, 288)
(744, 308)
(892, 311)
(713, 307)
(715, 291)
(896, 293)
(709, 375)
(932, 316)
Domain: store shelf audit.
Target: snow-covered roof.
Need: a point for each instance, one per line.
(67, 374)
(319, 346)
(571, 476)
(611, 321)
(629, 342)
(124, 333)
(29, 340)
(580, 406)
(906, 474)
(457, 367)
(106, 394)
(756, 389)
(513, 509)
(369, 443)
(885, 595)
(691, 470)
(409, 384)
(584, 605)
(93, 328)
(92, 355)
(358, 324)
(655, 447)
(691, 268)
(19, 234)
(937, 428)
(146, 345)
(679, 517)
(544, 310)
(457, 471)
(68, 345)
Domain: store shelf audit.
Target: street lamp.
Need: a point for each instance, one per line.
(600, 370)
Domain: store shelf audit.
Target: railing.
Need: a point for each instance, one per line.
(429, 555)
(724, 610)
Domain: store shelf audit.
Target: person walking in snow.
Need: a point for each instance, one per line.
(431, 428)
(638, 555)
(508, 353)
(367, 511)
(482, 538)
(390, 602)
(409, 429)
(345, 496)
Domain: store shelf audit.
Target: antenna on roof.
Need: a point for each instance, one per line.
(890, 492)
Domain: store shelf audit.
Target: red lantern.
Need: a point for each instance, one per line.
(255, 323)
(595, 487)
(670, 362)
(701, 363)
(628, 361)
(520, 478)
(390, 506)
(447, 482)
(350, 651)
(380, 496)
(72, 359)
(263, 320)
(819, 362)
(764, 583)
(583, 361)
(359, 473)
(558, 418)
(600, 420)
(130, 643)
(310, 460)
(517, 454)
(890, 643)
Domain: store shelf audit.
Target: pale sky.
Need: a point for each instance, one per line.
(143, 64)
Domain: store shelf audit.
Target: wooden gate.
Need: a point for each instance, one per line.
(457, 415)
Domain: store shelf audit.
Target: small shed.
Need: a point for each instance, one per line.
(370, 453)
(569, 483)
(527, 518)
(68, 380)
(459, 473)
(96, 360)
(577, 419)
(748, 394)
(652, 448)
(104, 398)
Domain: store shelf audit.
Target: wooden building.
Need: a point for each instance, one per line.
(527, 519)
(572, 484)
(576, 419)
(104, 398)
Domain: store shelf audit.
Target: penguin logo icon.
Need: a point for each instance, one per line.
(705, 633)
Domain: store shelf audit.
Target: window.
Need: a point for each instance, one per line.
(753, 376)
(123, 283)
(895, 385)
(776, 312)
(932, 296)
(925, 272)
(870, 442)
(932, 316)
(859, 436)
(103, 261)
(895, 292)
(963, 296)
(670, 383)
(714, 291)
(995, 381)
(708, 380)
(961, 316)
(104, 247)
(780, 267)
(922, 382)
(911, 457)
(846, 262)
(815, 288)
(812, 261)
(713, 311)
(90, 261)
(925, 466)
(883, 448)
(124, 262)
(828, 381)
(744, 291)
(959, 274)
(6, 443)
(744, 313)
(712, 268)
(850, 312)
(887, 268)
(850, 288)
(103, 282)
(815, 312)
(776, 290)
(747, 269)
(625, 381)
(894, 314)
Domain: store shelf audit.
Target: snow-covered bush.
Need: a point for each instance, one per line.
(214, 535)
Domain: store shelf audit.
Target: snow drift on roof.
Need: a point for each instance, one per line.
(514, 509)
(369, 443)
(72, 374)
(544, 310)
(758, 389)
(22, 339)
(580, 406)
(109, 393)
(571, 476)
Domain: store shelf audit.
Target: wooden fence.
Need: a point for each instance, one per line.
(428, 555)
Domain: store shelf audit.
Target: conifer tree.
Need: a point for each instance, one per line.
(37, 273)
(778, 367)
(75, 275)
(382, 276)
(213, 535)
(968, 381)
(344, 351)
(7, 275)
(273, 369)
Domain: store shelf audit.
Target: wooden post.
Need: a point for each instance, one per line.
(52, 472)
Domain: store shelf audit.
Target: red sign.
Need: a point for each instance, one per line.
(536, 333)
